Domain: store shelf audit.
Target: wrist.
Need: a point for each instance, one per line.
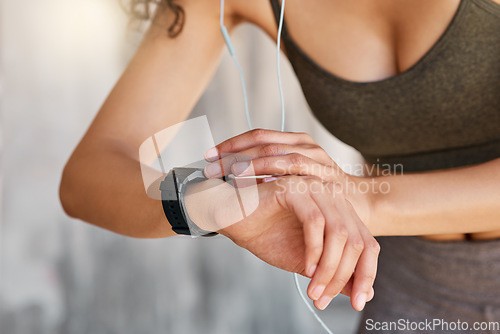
(363, 194)
(214, 206)
(200, 199)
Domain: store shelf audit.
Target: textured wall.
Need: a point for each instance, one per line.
(60, 59)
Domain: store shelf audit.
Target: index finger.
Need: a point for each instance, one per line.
(256, 137)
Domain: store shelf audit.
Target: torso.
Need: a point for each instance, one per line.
(385, 38)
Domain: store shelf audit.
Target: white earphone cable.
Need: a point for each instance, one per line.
(278, 63)
(230, 47)
(232, 52)
(315, 314)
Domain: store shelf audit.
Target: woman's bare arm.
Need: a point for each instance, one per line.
(461, 200)
(102, 181)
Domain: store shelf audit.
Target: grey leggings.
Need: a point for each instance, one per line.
(421, 281)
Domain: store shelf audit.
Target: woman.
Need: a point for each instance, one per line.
(411, 83)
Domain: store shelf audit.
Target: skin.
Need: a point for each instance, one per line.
(299, 224)
(332, 235)
(428, 208)
(447, 202)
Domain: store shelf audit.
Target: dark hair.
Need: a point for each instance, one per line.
(144, 9)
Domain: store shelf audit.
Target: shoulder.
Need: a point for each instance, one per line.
(235, 11)
(256, 12)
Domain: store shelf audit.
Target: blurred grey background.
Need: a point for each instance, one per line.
(59, 60)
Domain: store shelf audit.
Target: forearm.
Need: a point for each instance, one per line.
(104, 187)
(102, 182)
(462, 200)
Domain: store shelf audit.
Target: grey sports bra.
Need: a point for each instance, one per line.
(442, 112)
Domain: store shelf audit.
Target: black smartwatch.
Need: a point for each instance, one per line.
(172, 189)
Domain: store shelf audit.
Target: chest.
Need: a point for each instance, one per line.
(433, 74)
(362, 40)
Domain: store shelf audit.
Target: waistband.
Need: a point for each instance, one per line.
(463, 271)
(441, 159)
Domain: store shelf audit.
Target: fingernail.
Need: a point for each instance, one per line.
(240, 167)
(312, 270)
(211, 154)
(360, 302)
(324, 302)
(213, 170)
(317, 292)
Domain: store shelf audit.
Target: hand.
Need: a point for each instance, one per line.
(273, 232)
(300, 224)
(277, 153)
(255, 144)
(267, 152)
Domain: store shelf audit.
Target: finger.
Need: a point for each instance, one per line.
(352, 252)
(223, 166)
(307, 211)
(350, 257)
(371, 294)
(257, 137)
(366, 269)
(336, 236)
(347, 290)
(293, 163)
(364, 276)
(335, 239)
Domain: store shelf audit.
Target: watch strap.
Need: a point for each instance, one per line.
(172, 190)
(172, 206)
